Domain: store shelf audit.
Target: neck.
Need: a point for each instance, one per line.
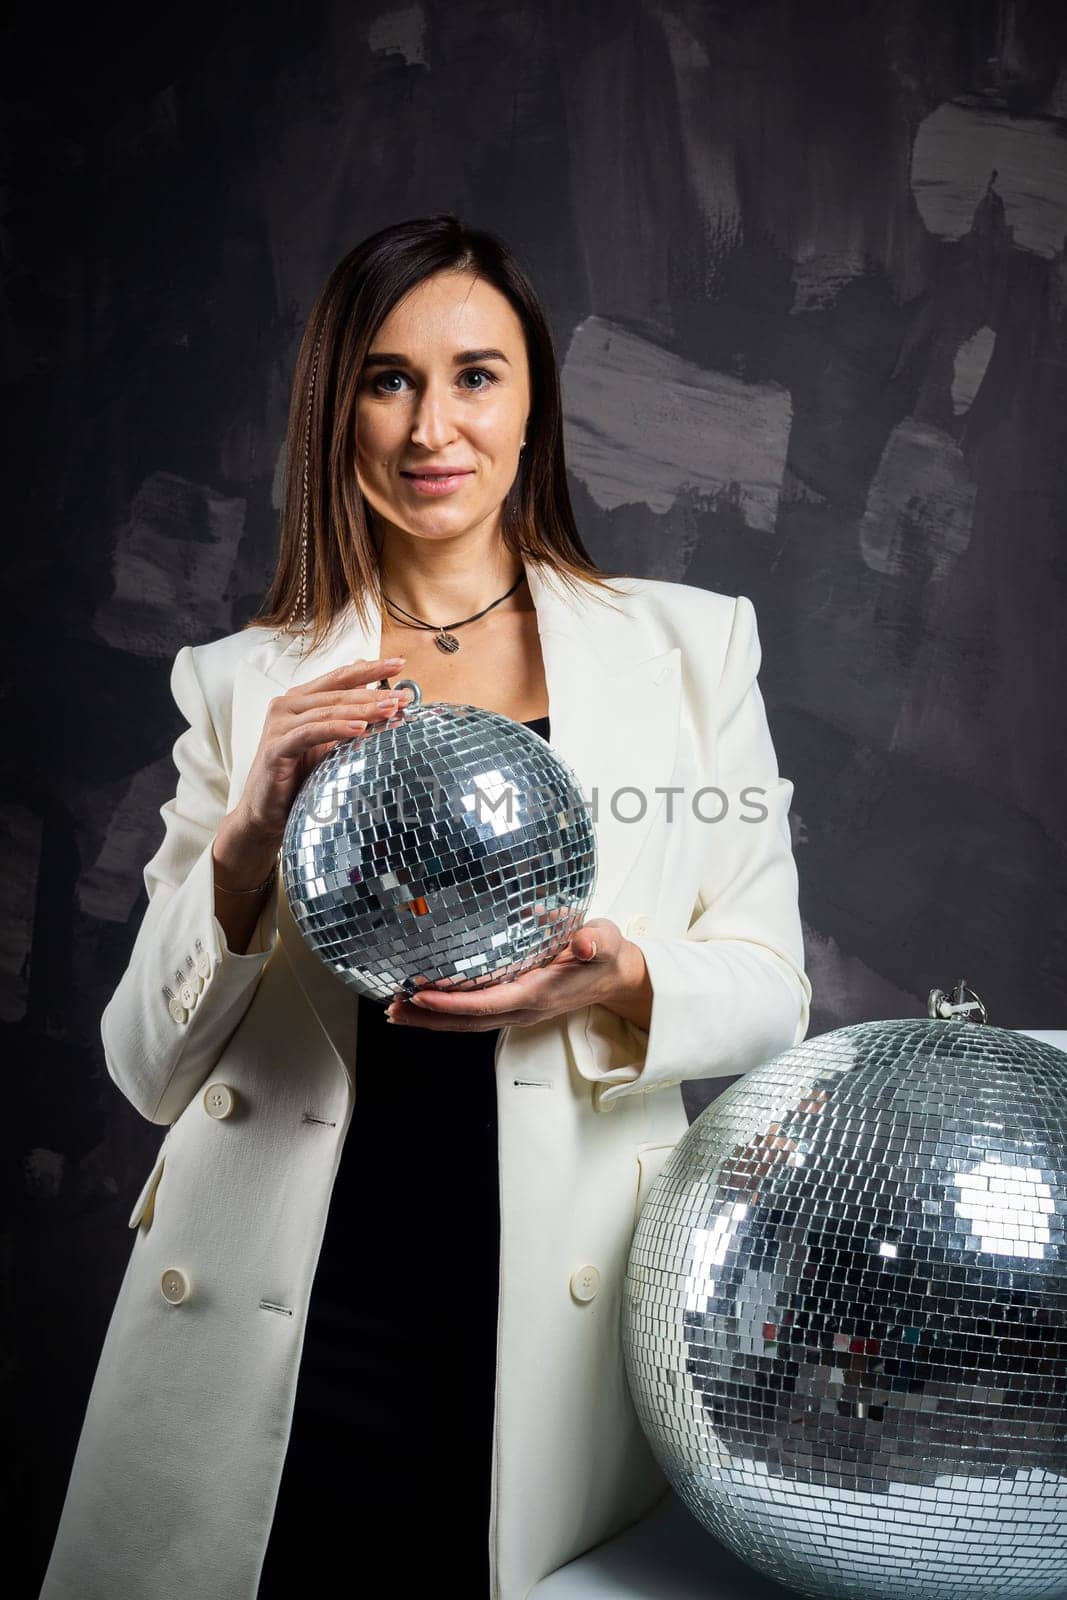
(440, 584)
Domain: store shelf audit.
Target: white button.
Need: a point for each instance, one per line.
(203, 964)
(189, 995)
(639, 924)
(585, 1283)
(177, 1010)
(174, 1286)
(219, 1100)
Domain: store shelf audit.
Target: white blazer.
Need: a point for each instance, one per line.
(249, 1062)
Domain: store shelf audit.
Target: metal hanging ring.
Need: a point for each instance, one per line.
(963, 1005)
(416, 692)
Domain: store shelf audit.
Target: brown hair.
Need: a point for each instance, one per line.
(537, 521)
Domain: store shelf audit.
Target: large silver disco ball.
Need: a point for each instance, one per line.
(845, 1314)
(446, 845)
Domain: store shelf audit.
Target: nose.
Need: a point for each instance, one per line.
(433, 426)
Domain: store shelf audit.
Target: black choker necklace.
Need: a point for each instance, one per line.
(444, 639)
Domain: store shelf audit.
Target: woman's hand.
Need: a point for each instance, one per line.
(598, 967)
(301, 727)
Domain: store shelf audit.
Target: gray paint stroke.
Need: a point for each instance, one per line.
(173, 562)
(642, 424)
(961, 150)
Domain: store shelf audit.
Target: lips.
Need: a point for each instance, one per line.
(431, 484)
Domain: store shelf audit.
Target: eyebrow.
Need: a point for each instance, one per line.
(387, 358)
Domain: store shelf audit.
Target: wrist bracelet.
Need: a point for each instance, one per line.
(269, 879)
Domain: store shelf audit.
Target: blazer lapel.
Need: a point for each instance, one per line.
(613, 719)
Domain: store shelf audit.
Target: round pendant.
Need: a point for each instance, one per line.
(446, 642)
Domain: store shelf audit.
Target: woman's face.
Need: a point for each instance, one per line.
(452, 392)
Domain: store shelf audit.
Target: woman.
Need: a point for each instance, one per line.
(312, 1340)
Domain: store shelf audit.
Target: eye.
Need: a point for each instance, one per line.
(479, 372)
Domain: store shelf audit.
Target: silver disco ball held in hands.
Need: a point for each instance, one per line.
(445, 845)
(845, 1313)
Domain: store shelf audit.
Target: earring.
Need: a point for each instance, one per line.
(301, 602)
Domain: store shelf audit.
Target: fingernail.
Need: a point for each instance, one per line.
(417, 1000)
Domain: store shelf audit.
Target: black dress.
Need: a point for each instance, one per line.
(388, 1463)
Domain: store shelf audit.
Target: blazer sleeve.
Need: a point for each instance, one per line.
(732, 991)
(157, 1049)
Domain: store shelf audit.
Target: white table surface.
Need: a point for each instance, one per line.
(668, 1555)
(665, 1556)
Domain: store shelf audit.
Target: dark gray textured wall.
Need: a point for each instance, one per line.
(806, 267)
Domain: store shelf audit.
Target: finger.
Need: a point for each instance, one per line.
(448, 1005)
(402, 1013)
(305, 736)
(345, 715)
(318, 724)
(359, 702)
(351, 672)
(471, 1002)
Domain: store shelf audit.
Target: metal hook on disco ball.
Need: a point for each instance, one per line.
(963, 1005)
(416, 692)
